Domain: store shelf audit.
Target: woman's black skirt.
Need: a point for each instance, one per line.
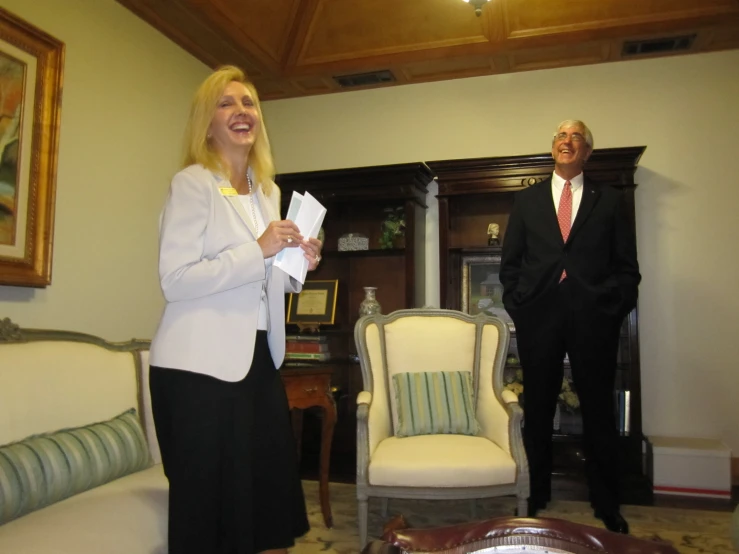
(230, 457)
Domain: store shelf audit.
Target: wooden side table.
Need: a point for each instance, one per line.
(307, 387)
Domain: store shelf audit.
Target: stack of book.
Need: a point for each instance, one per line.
(312, 348)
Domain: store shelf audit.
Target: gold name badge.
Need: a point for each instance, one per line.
(228, 191)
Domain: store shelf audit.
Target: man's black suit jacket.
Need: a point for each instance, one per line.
(599, 255)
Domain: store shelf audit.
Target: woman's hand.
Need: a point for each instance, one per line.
(312, 252)
(279, 235)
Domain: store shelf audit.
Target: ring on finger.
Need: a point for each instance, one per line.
(289, 239)
(318, 258)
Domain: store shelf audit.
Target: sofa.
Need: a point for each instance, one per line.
(80, 469)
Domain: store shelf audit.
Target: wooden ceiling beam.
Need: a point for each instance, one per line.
(296, 52)
(219, 22)
(299, 32)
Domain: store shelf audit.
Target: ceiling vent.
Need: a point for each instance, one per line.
(365, 79)
(658, 45)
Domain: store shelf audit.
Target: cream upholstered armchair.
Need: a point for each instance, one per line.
(434, 420)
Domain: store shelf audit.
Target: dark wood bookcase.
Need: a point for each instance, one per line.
(476, 192)
(356, 200)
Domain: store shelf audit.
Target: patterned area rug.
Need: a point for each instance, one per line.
(689, 531)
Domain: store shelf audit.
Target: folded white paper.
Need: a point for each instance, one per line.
(307, 213)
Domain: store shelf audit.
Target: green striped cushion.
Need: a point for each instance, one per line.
(436, 402)
(44, 469)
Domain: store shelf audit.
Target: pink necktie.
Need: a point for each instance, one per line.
(564, 215)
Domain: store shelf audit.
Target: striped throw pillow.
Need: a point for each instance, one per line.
(435, 402)
(43, 469)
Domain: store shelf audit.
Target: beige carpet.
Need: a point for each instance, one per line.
(690, 531)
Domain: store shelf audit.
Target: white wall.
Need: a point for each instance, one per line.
(684, 109)
(127, 90)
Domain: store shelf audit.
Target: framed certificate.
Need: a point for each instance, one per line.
(315, 304)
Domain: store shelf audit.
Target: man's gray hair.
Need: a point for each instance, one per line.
(575, 123)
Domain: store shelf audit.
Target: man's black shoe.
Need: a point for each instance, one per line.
(613, 521)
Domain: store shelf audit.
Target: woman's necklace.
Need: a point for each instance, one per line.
(251, 203)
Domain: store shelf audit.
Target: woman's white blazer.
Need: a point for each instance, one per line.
(212, 272)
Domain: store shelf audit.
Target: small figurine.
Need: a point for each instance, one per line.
(493, 232)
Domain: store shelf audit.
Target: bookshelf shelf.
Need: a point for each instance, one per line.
(357, 201)
(372, 253)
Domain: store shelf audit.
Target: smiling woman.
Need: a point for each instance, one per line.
(219, 405)
(233, 130)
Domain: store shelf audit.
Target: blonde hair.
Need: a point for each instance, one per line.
(575, 123)
(197, 147)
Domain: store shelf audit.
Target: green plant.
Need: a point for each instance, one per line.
(392, 226)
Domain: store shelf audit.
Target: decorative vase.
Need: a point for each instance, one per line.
(369, 305)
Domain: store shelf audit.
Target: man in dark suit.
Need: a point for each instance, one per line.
(570, 275)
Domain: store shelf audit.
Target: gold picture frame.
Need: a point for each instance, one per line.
(315, 304)
(32, 66)
(482, 291)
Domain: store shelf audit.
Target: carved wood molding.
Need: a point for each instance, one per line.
(612, 166)
(12, 333)
(398, 181)
(9, 331)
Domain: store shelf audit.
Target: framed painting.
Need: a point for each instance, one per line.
(482, 291)
(31, 70)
